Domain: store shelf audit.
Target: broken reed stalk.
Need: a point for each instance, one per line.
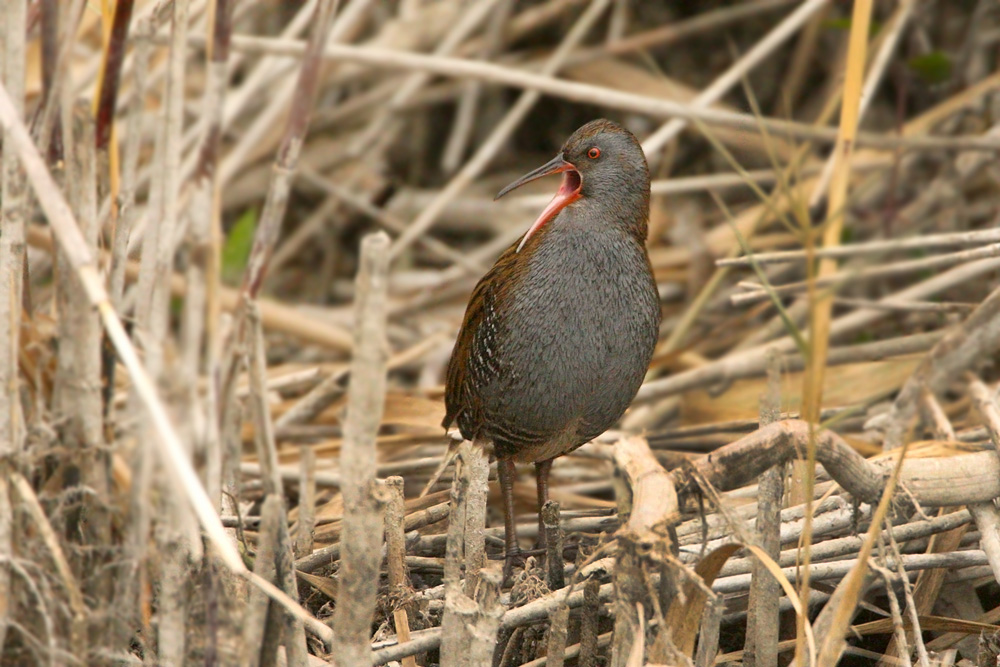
(395, 561)
(264, 618)
(469, 625)
(305, 525)
(708, 633)
(475, 469)
(558, 629)
(648, 507)
(554, 571)
(395, 537)
(12, 255)
(761, 648)
(589, 623)
(465, 548)
(361, 534)
(200, 335)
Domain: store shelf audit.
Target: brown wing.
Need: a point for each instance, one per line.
(473, 361)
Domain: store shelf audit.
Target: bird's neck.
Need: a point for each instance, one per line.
(622, 213)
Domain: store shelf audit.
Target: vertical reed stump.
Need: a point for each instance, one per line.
(361, 536)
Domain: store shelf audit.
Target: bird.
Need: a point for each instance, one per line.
(558, 335)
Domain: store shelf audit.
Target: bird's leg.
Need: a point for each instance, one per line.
(512, 552)
(542, 469)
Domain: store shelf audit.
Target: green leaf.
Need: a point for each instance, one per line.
(933, 67)
(176, 306)
(236, 250)
(844, 24)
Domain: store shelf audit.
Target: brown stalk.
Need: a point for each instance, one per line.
(708, 634)
(589, 624)
(200, 335)
(554, 572)
(648, 506)
(556, 652)
(77, 393)
(395, 539)
(287, 158)
(763, 623)
(469, 625)
(362, 525)
(113, 60)
(12, 249)
(305, 526)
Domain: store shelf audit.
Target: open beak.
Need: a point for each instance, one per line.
(569, 191)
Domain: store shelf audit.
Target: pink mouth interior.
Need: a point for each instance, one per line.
(569, 192)
(570, 184)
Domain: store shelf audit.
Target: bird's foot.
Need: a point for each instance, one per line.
(517, 557)
(512, 558)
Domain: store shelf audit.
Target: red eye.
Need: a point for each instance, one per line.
(594, 153)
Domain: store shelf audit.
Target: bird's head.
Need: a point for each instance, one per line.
(603, 167)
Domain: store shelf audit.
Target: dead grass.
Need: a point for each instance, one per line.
(194, 462)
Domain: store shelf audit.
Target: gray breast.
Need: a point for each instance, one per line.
(576, 341)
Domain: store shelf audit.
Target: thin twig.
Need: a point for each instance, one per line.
(922, 242)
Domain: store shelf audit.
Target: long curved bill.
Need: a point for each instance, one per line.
(569, 191)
